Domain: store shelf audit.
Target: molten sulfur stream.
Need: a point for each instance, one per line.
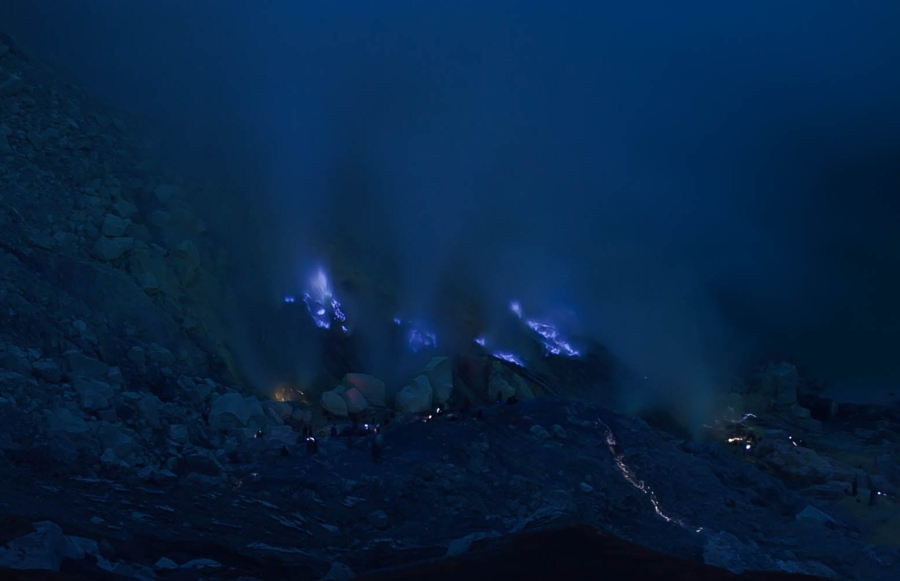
(632, 479)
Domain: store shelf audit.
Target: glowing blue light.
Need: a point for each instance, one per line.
(481, 341)
(552, 339)
(290, 299)
(509, 357)
(516, 308)
(397, 321)
(419, 339)
(323, 307)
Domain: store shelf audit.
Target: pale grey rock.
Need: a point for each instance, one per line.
(148, 406)
(116, 437)
(159, 354)
(416, 397)
(148, 283)
(63, 420)
(356, 402)
(232, 411)
(372, 388)
(137, 355)
(439, 372)
(47, 370)
(109, 249)
(813, 515)
(201, 564)
(44, 549)
(460, 546)
(334, 403)
(114, 226)
(93, 394)
(339, 572)
(124, 209)
(540, 432)
(78, 548)
(77, 363)
(165, 563)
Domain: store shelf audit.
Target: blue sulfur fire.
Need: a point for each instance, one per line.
(421, 339)
(323, 307)
(481, 341)
(509, 357)
(418, 337)
(551, 338)
(553, 342)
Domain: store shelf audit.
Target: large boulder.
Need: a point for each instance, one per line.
(44, 549)
(233, 411)
(77, 363)
(63, 420)
(114, 226)
(148, 407)
(798, 464)
(439, 372)
(278, 411)
(369, 386)
(416, 397)
(94, 395)
(334, 403)
(356, 403)
(116, 438)
(108, 249)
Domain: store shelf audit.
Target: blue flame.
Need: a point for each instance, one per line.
(419, 339)
(516, 308)
(323, 307)
(481, 341)
(509, 357)
(552, 339)
(290, 299)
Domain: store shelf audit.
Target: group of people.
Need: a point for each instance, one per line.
(375, 432)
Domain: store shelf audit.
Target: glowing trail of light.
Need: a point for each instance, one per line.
(632, 479)
(553, 341)
(481, 341)
(509, 357)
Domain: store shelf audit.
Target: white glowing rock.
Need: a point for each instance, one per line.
(440, 374)
(416, 397)
(371, 387)
(356, 402)
(334, 403)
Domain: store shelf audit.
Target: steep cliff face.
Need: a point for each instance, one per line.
(101, 250)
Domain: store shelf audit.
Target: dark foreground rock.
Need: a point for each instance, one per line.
(576, 552)
(449, 493)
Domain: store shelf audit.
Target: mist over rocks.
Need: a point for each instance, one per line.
(413, 258)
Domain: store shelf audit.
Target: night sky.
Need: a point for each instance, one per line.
(702, 183)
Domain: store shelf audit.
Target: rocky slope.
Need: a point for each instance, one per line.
(131, 448)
